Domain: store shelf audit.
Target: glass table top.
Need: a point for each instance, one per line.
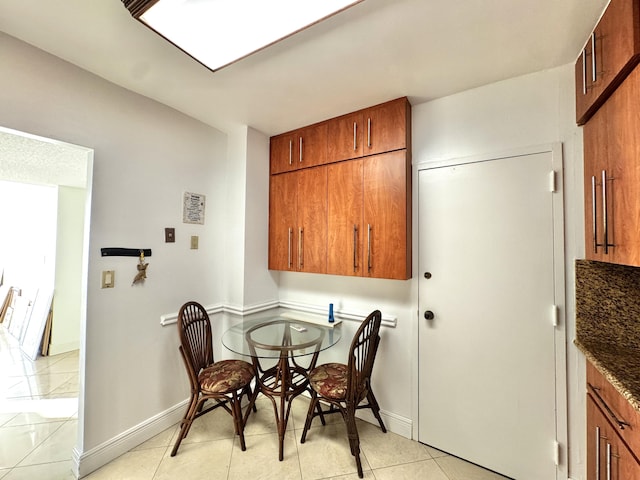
(271, 337)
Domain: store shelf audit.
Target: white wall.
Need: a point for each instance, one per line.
(146, 156)
(65, 334)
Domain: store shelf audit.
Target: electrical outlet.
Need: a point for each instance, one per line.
(108, 278)
(194, 242)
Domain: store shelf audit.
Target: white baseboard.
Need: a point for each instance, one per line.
(87, 462)
(395, 423)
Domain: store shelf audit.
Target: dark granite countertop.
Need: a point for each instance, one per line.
(608, 323)
(620, 366)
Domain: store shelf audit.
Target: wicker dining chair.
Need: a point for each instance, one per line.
(346, 387)
(224, 382)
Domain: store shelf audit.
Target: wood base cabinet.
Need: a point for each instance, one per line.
(613, 438)
(612, 177)
(369, 217)
(298, 221)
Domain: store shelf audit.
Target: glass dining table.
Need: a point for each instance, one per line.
(283, 350)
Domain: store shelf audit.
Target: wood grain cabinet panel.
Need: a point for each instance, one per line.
(612, 146)
(611, 52)
(298, 221)
(607, 455)
(302, 148)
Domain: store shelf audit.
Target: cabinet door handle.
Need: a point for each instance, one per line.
(290, 152)
(369, 132)
(608, 461)
(355, 141)
(355, 248)
(300, 247)
(605, 223)
(584, 71)
(289, 249)
(621, 423)
(300, 149)
(597, 477)
(594, 73)
(368, 247)
(594, 222)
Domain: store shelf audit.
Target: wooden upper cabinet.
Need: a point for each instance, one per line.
(612, 153)
(305, 147)
(345, 209)
(382, 128)
(387, 216)
(387, 127)
(611, 52)
(298, 221)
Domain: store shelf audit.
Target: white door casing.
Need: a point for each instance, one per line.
(491, 362)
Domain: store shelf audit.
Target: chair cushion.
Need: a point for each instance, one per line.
(225, 376)
(330, 380)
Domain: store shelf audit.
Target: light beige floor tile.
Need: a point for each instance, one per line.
(6, 416)
(72, 386)
(326, 453)
(424, 470)
(301, 408)
(260, 459)
(48, 471)
(58, 447)
(387, 449)
(264, 420)
(215, 425)
(41, 410)
(457, 469)
(434, 452)
(4, 472)
(163, 439)
(140, 465)
(18, 442)
(68, 364)
(34, 385)
(197, 461)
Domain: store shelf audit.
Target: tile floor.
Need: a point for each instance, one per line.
(38, 427)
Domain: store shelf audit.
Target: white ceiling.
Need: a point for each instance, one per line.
(376, 51)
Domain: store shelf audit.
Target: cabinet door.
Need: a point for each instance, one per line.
(596, 157)
(311, 146)
(386, 127)
(345, 232)
(387, 216)
(611, 52)
(282, 152)
(312, 220)
(345, 135)
(607, 455)
(623, 144)
(282, 221)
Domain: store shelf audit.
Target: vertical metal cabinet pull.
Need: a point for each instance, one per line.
(594, 222)
(300, 247)
(290, 152)
(608, 461)
(605, 224)
(355, 248)
(584, 71)
(597, 477)
(300, 149)
(355, 141)
(289, 251)
(368, 132)
(368, 247)
(594, 73)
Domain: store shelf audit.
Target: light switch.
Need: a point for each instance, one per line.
(194, 242)
(108, 278)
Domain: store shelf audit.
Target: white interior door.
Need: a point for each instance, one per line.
(487, 358)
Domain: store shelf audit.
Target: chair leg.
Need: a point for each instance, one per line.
(236, 413)
(354, 439)
(307, 423)
(187, 420)
(376, 409)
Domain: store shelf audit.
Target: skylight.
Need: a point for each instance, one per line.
(219, 32)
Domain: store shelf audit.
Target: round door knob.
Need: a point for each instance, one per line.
(429, 315)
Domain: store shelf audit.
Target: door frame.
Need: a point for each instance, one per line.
(555, 149)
